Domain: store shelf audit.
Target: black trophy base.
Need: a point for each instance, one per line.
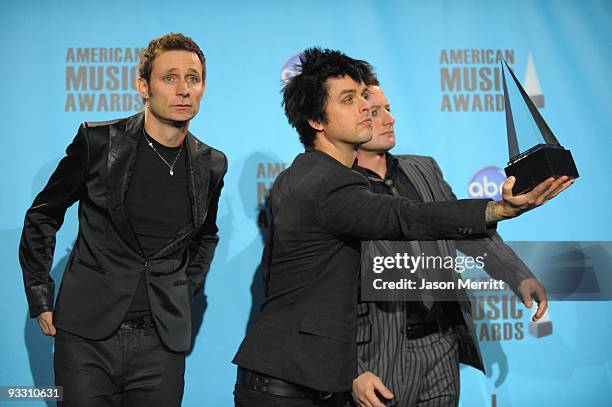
(539, 163)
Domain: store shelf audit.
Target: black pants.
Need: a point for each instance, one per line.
(132, 368)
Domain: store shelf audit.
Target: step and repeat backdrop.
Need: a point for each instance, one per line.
(65, 62)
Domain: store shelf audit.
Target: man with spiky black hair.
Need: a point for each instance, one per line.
(305, 99)
(302, 351)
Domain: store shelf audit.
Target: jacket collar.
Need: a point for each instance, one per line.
(412, 171)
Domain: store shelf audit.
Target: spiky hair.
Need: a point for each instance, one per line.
(305, 95)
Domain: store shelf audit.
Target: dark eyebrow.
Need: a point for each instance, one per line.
(173, 70)
(347, 91)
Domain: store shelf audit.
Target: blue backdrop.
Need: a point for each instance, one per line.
(67, 61)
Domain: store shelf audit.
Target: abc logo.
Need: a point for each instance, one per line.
(289, 69)
(487, 183)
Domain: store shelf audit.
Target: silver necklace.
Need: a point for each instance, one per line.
(170, 166)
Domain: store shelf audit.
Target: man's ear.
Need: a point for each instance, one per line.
(143, 88)
(315, 124)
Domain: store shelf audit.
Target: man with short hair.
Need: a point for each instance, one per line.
(148, 192)
(301, 351)
(407, 352)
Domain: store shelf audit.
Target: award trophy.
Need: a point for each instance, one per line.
(541, 328)
(545, 160)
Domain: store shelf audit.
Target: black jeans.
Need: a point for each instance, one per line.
(130, 368)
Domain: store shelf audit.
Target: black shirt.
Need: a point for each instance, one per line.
(396, 183)
(157, 202)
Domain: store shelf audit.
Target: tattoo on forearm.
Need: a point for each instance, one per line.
(490, 215)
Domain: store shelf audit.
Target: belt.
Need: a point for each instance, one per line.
(138, 323)
(271, 385)
(418, 331)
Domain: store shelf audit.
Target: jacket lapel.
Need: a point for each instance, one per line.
(423, 177)
(198, 178)
(410, 168)
(122, 146)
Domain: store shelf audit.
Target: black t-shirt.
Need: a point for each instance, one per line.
(157, 203)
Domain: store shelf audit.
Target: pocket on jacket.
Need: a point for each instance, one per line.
(364, 333)
(363, 308)
(328, 327)
(93, 267)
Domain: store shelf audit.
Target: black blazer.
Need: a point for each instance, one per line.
(321, 211)
(380, 344)
(105, 264)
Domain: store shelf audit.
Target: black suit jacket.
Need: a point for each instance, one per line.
(106, 262)
(321, 211)
(380, 342)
